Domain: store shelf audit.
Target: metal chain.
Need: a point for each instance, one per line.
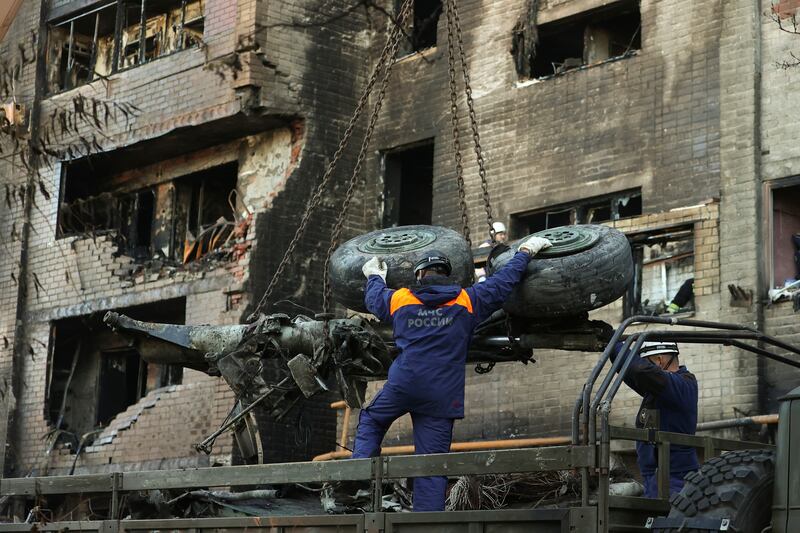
(394, 43)
(462, 194)
(316, 198)
(487, 204)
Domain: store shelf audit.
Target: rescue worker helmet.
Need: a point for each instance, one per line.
(434, 259)
(498, 227)
(652, 348)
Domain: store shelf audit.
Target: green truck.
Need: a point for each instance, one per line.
(736, 490)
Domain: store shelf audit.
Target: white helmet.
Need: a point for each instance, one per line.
(498, 227)
(651, 348)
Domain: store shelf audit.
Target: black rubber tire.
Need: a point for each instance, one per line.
(347, 280)
(572, 283)
(737, 485)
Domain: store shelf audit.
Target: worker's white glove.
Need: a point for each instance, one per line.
(375, 266)
(533, 245)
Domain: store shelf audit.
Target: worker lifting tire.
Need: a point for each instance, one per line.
(736, 486)
(587, 267)
(401, 247)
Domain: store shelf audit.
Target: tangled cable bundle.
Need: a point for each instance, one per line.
(493, 491)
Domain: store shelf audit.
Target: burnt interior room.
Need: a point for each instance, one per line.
(587, 38)
(179, 219)
(82, 45)
(422, 34)
(590, 211)
(408, 186)
(93, 374)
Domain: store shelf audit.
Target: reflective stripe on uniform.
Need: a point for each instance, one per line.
(404, 297)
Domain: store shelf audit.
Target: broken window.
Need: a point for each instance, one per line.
(80, 48)
(591, 211)
(663, 272)
(785, 235)
(93, 374)
(592, 37)
(181, 219)
(422, 34)
(408, 186)
(91, 45)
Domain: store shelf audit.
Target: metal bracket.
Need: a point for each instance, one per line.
(693, 524)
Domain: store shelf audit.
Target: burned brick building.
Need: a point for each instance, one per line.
(176, 142)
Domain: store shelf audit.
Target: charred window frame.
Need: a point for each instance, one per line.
(784, 231)
(608, 33)
(93, 375)
(424, 26)
(179, 219)
(119, 35)
(589, 211)
(663, 280)
(408, 185)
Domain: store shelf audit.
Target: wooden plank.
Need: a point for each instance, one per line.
(56, 485)
(489, 462)
(306, 472)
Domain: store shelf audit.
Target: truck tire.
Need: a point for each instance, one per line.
(737, 486)
(401, 247)
(588, 266)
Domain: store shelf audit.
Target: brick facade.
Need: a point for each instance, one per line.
(699, 120)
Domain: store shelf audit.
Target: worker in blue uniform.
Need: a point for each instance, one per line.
(432, 324)
(669, 403)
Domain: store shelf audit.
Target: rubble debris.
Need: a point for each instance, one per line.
(495, 491)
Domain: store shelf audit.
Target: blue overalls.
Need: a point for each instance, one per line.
(432, 327)
(674, 396)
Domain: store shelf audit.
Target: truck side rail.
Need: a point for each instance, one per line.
(374, 470)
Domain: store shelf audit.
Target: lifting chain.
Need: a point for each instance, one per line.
(455, 38)
(385, 61)
(390, 52)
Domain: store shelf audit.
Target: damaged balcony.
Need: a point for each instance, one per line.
(112, 36)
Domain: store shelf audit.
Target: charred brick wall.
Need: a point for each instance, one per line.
(255, 93)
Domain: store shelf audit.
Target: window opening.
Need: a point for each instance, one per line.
(408, 186)
(663, 272)
(785, 235)
(590, 211)
(181, 220)
(422, 34)
(80, 51)
(84, 48)
(93, 375)
(592, 37)
(203, 210)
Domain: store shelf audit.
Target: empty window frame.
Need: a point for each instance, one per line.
(663, 272)
(592, 37)
(408, 185)
(93, 374)
(590, 211)
(80, 48)
(785, 231)
(119, 35)
(181, 220)
(422, 34)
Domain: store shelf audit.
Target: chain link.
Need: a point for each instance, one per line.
(389, 51)
(394, 43)
(451, 62)
(487, 204)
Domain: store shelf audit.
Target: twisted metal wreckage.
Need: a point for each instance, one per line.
(277, 360)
